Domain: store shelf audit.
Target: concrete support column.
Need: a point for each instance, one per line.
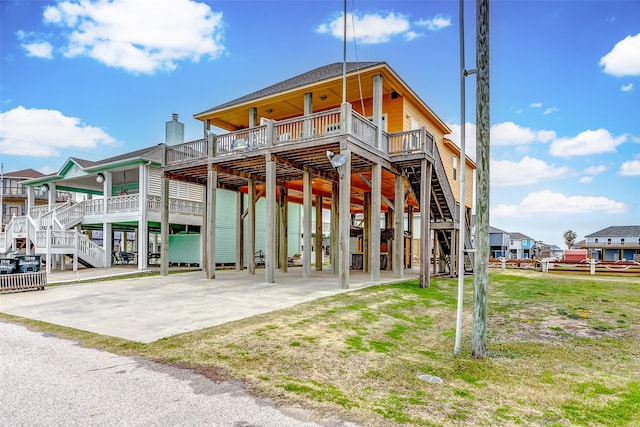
(270, 255)
(374, 223)
(398, 228)
(344, 232)
(212, 184)
(306, 214)
(164, 227)
(425, 223)
(251, 227)
(318, 243)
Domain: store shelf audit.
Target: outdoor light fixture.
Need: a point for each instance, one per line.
(337, 160)
(100, 177)
(44, 188)
(269, 110)
(323, 97)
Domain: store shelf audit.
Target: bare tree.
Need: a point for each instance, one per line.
(569, 237)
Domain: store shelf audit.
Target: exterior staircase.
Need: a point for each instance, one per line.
(51, 231)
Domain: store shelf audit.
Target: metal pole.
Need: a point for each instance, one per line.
(461, 216)
(344, 55)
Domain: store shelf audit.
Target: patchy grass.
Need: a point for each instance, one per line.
(562, 350)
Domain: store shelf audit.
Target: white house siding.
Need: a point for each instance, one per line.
(177, 189)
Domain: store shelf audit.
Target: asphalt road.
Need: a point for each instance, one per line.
(47, 381)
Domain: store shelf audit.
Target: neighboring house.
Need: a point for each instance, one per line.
(378, 152)
(498, 242)
(119, 211)
(521, 246)
(615, 243)
(14, 194)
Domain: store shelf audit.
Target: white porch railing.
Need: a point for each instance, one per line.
(126, 203)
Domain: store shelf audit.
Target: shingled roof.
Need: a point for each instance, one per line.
(310, 77)
(24, 173)
(618, 231)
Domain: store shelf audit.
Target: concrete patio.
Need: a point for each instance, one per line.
(146, 309)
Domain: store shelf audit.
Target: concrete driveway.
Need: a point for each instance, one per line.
(146, 309)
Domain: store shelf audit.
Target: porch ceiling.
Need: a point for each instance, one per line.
(234, 170)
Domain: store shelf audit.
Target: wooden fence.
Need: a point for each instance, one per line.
(23, 281)
(555, 266)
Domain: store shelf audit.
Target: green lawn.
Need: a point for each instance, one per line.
(562, 350)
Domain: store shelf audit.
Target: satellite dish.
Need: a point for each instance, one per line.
(337, 160)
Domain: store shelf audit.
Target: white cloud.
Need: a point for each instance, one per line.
(547, 202)
(379, 27)
(586, 143)
(370, 28)
(505, 173)
(41, 133)
(627, 88)
(137, 36)
(624, 58)
(550, 110)
(436, 23)
(39, 50)
(630, 168)
(536, 105)
(469, 138)
(590, 173)
(509, 133)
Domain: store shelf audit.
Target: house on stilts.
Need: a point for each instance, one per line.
(351, 140)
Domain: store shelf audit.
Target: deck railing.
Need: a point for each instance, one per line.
(297, 129)
(412, 141)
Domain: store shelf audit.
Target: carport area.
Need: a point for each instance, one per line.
(146, 309)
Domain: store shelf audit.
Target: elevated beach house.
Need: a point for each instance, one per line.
(354, 141)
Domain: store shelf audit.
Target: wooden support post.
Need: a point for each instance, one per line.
(425, 223)
(164, 227)
(318, 243)
(398, 228)
(344, 232)
(239, 231)
(270, 255)
(212, 184)
(143, 225)
(335, 219)
(366, 233)
(453, 257)
(284, 233)
(410, 218)
(251, 227)
(306, 215)
(376, 208)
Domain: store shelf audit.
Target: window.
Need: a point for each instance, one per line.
(622, 241)
(455, 168)
(596, 240)
(609, 241)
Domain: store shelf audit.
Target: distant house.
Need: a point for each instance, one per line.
(14, 194)
(498, 242)
(521, 246)
(618, 242)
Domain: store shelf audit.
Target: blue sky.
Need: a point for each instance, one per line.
(93, 79)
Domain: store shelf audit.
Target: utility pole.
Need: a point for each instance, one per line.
(481, 262)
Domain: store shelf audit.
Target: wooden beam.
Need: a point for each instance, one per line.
(212, 179)
(329, 176)
(318, 243)
(344, 232)
(270, 255)
(425, 229)
(251, 227)
(386, 200)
